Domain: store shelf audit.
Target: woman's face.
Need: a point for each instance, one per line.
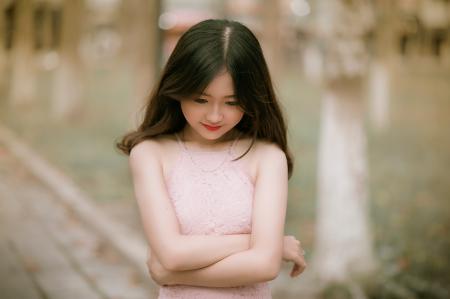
(215, 112)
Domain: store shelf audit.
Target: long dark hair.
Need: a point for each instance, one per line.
(200, 54)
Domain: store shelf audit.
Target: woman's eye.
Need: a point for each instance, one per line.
(233, 103)
(201, 101)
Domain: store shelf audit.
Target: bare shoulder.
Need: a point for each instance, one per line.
(259, 147)
(144, 149)
(142, 154)
(159, 151)
(270, 159)
(150, 148)
(261, 153)
(269, 152)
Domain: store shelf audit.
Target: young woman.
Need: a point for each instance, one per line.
(210, 166)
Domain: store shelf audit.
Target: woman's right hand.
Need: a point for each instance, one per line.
(293, 252)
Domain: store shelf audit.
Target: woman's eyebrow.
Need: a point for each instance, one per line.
(229, 96)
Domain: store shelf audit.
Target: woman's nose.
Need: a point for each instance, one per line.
(214, 115)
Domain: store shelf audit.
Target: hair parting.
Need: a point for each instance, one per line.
(202, 52)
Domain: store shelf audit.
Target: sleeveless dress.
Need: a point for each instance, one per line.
(211, 195)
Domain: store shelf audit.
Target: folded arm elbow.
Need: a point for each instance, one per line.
(170, 259)
(170, 263)
(272, 270)
(270, 267)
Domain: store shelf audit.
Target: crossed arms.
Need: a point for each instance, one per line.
(213, 261)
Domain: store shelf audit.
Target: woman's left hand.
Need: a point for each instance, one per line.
(293, 252)
(158, 273)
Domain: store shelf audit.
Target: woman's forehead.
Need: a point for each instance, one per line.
(221, 86)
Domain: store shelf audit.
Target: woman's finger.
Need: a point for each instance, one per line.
(294, 270)
(300, 265)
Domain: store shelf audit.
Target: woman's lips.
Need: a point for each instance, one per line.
(211, 128)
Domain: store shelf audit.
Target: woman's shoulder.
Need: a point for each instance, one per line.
(159, 151)
(269, 153)
(153, 147)
(261, 151)
(261, 147)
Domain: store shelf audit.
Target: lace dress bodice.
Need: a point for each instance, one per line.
(211, 194)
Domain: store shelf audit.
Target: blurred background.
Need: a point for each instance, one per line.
(365, 86)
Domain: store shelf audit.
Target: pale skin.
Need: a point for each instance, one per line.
(291, 253)
(211, 260)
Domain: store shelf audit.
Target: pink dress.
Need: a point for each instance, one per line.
(211, 195)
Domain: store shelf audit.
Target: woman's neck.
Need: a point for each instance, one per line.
(192, 137)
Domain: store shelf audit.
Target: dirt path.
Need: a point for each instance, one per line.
(47, 252)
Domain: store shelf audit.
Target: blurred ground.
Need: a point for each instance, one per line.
(47, 252)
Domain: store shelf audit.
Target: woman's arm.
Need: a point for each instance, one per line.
(175, 251)
(263, 260)
(292, 252)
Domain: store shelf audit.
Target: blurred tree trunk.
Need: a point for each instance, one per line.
(382, 66)
(344, 250)
(142, 44)
(22, 85)
(379, 94)
(271, 37)
(68, 86)
(434, 15)
(47, 28)
(3, 54)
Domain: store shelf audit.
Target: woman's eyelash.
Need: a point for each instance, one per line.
(202, 101)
